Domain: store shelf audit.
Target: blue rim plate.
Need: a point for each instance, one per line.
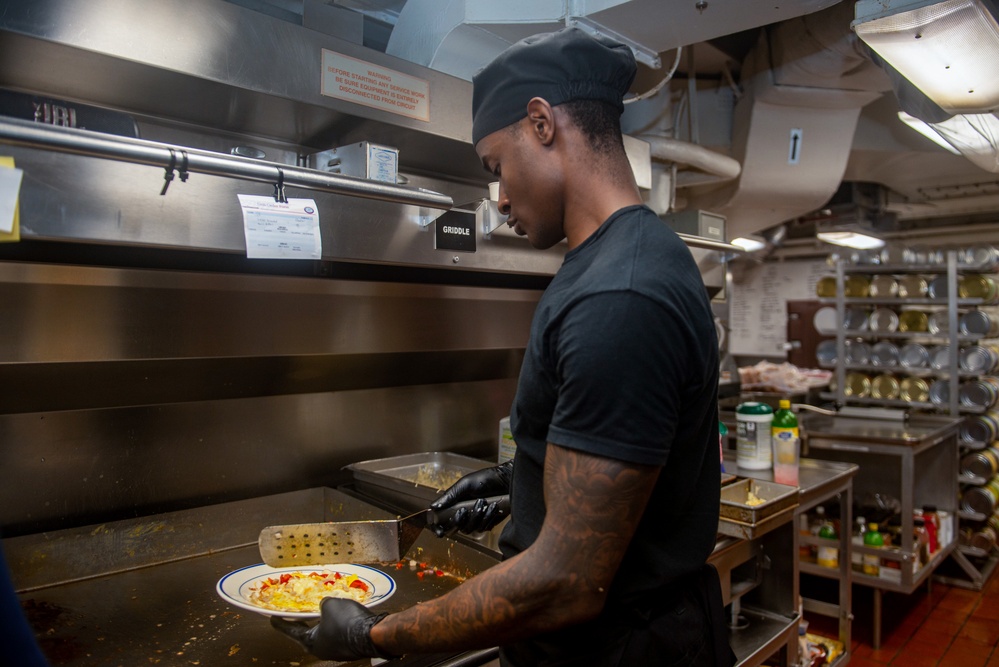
(235, 586)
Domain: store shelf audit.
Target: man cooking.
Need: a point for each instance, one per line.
(615, 484)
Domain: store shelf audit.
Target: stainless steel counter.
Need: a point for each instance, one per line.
(822, 482)
(912, 461)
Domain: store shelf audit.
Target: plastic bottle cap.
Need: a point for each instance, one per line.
(929, 508)
(785, 404)
(753, 408)
(873, 527)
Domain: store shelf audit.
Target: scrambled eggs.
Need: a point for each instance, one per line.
(304, 591)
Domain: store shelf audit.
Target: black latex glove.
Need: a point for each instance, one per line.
(343, 631)
(481, 484)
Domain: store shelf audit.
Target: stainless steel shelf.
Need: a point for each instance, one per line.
(896, 403)
(901, 370)
(902, 269)
(909, 335)
(971, 479)
(974, 552)
(883, 301)
(972, 516)
(973, 445)
(902, 586)
(765, 634)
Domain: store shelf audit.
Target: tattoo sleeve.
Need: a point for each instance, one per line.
(593, 506)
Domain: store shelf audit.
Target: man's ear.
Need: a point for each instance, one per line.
(541, 120)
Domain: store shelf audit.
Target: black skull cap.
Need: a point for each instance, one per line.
(562, 66)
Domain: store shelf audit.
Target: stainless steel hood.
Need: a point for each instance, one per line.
(200, 87)
(217, 65)
(207, 76)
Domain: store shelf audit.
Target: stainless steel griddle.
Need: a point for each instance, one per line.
(142, 592)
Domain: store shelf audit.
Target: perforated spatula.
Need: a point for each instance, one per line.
(353, 541)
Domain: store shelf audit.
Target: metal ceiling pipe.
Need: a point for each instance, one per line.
(721, 166)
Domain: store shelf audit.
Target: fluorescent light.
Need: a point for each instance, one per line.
(851, 240)
(975, 136)
(947, 49)
(926, 130)
(748, 244)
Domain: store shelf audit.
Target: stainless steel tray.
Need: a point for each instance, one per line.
(735, 498)
(737, 518)
(412, 481)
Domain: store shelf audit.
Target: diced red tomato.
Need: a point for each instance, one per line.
(357, 583)
(285, 578)
(439, 573)
(420, 574)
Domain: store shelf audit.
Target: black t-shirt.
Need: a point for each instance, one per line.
(622, 362)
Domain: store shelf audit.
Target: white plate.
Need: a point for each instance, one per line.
(824, 320)
(234, 587)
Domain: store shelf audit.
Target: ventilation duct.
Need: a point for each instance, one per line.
(460, 36)
(805, 83)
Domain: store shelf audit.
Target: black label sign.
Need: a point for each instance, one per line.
(455, 231)
(66, 114)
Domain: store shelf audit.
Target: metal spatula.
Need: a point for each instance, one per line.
(353, 541)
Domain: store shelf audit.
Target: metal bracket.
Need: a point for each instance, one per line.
(488, 216)
(643, 54)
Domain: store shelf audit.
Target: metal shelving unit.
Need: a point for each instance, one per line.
(914, 461)
(952, 372)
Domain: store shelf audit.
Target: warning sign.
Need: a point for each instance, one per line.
(364, 83)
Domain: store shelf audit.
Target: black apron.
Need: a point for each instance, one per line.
(683, 625)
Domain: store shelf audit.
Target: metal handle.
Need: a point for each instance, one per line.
(138, 151)
(471, 659)
(447, 514)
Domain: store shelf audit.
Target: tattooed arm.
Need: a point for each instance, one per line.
(593, 508)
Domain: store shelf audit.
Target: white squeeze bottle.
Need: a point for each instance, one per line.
(507, 446)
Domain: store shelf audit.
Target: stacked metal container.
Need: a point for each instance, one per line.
(921, 332)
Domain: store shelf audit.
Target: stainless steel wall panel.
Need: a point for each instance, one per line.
(129, 392)
(59, 313)
(72, 468)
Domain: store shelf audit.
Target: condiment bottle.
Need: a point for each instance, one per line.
(722, 435)
(922, 539)
(873, 539)
(828, 556)
(858, 540)
(932, 526)
(784, 438)
(806, 552)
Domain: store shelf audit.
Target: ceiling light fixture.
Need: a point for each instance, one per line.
(926, 129)
(851, 240)
(948, 49)
(975, 136)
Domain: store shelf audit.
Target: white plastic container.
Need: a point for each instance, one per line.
(753, 442)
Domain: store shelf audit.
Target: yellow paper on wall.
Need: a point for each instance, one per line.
(7, 162)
